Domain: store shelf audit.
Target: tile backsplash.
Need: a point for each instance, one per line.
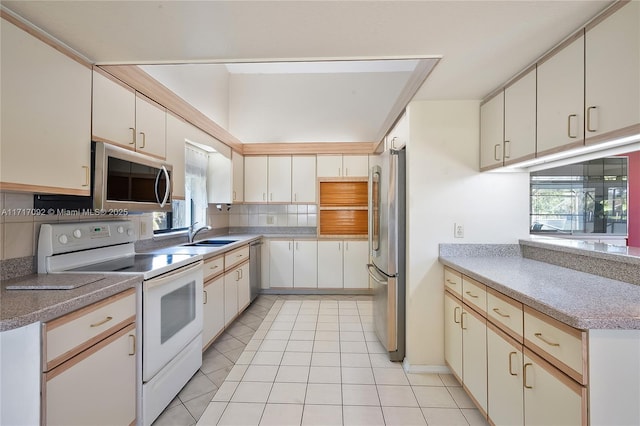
(291, 215)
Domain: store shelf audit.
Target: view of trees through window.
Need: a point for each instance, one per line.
(589, 197)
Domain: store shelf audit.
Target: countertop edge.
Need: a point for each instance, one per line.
(583, 323)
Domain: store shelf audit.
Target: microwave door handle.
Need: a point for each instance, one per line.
(167, 186)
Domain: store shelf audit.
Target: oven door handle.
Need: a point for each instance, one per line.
(171, 276)
(167, 186)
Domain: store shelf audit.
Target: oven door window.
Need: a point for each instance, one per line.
(177, 310)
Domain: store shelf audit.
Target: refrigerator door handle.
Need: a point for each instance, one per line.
(376, 274)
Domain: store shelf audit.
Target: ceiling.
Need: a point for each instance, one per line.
(481, 43)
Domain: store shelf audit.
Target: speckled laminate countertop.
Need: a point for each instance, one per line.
(22, 307)
(581, 300)
(209, 252)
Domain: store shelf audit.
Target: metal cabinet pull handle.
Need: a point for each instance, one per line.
(455, 318)
(86, 176)
(507, 149)
(104, 321)
(569, 126)
(497, 311)
(451, 282)
(132, 339)
(511, 354)
(206, 298)
(238, 275)
(234, 195)
(144, 140)
(541, 337)
(524, 373)
(471, 294)
(462, 320)
(589, 111)
(133, 136)
(495, 152)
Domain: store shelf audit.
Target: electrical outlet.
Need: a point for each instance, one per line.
(270, 220)
(458, 230)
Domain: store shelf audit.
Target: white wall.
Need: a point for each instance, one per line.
(206, 86)
(445, 187)
(311, 107)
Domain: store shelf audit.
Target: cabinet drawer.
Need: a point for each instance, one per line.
(213, 267)
(235, 257)
(66, 336)
(506, 313)
(474, 294)
(453, 281)
(563, 346)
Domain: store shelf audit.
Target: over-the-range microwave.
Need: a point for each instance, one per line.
(121, 180)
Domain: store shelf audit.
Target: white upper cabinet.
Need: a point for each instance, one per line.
(46, 117)
(612, 73)
(151, 127)
(399, 135)
(126, 118)
(492, 132)
(177, 131)
(303, 179)
(255, 179)
(114, 111)
(343, 165)
(279, 179)
(219, 175)
(561, 99)
(237, 177)
(520, 119)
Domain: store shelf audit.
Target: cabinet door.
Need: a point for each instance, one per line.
(453, 334)
(474, 355)
(550, 397)
(219, 183)
(97, 386)
(303, 179)
(329, 165)
(561, 100)
(305, 264)
(281, 263)
(504, 378)
(492, 132)
(177, 130)
(399, 135)
(230, 296)
(151, 122)
(237, 173)
(213, 310)
(520, 119)
(46, 117)
(330, 264)
(244, 296)
(612, 68)
(355, 165)
(356, 257)
(114, 112)
(255, 179)
(279, 184)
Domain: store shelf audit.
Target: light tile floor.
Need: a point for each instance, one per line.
(312, 360)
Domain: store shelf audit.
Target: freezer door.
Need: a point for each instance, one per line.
(385, 308)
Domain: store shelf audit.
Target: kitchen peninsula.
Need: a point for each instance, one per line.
(557, 341)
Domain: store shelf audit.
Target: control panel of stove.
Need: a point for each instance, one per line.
(58, 238)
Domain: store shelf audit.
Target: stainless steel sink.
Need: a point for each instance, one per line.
(211, 243)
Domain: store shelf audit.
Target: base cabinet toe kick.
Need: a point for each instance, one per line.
(523, 367)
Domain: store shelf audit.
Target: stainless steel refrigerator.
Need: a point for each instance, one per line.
(387, 245)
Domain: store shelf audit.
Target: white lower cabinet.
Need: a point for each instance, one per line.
(551, 398)
(330, 264)
(305, 264)
(453, 334)
(236, 291)
(504, 370)
(244, 296)
(89, 368)
(474, 355)
(281, 263)
(213, 318)
(356, 257)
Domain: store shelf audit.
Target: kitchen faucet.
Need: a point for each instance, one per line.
(192, 233)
